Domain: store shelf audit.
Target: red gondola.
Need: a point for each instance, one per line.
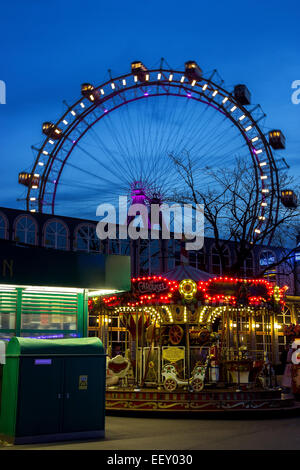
(139, 69)
(52, 131)
(27, 179)
(242, 94)
(289, 198)
(277, 139)
(193, 71)
(88, 91)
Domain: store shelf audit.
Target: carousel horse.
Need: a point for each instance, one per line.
(116, 369)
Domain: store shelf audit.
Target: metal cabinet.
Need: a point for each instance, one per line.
(53, 390)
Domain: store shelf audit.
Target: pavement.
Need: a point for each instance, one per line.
(172, 433)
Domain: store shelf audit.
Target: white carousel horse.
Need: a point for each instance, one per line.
(116, 369)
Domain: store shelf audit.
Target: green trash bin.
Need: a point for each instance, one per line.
(53, 390)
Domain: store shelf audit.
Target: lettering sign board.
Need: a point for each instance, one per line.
(35, 266)
(152, 286)
(173, 354)
(83, 382)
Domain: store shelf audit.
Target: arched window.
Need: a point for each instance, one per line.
(86, 238)
(197, 259)
(249, 266)
(114, 247)
(216, 263)
(56, 235)
(3, 226)
(26, 230)
(267, 258)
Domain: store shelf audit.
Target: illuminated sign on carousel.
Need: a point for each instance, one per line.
(240, 291)
(150, 285)
(186, 297)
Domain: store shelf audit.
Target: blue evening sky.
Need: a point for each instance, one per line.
(48, 48)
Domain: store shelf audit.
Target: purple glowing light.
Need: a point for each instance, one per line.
(146, 94)
(189, 95)
(42, 362)
(48, 336)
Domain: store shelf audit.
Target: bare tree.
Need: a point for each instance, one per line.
(231, 210)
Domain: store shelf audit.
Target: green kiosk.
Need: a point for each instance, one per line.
(53, 390)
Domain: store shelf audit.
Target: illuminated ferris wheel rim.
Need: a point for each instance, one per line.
(167, 83)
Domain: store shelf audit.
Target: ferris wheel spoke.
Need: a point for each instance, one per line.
(191, 117)
(153, 103)
(119, 148)
(204, 128)
(131, 139)
(164, 137)
(208, 140)
(91, 187)
(122, 136)
(83, 170)
(172, 128)
(101, 145)
(209, 136)
(95, 159)
(222, 145)
(201, 152)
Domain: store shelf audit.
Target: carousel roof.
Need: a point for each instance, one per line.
(187, 272)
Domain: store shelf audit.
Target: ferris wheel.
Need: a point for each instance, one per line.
(117, 138)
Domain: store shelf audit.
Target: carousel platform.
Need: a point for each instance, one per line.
(208, 401)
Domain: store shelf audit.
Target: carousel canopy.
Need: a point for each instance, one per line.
(187, 272)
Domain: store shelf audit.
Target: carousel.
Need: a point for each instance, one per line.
(191, 345)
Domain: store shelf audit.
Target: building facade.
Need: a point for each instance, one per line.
(148, 257)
